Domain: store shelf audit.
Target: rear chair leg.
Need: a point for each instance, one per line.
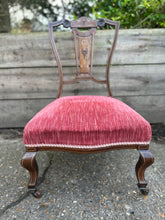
(29, 162)
(145, 160)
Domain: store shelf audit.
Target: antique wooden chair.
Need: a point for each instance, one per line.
(86, 124)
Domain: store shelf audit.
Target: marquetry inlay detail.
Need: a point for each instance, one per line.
(84, 51)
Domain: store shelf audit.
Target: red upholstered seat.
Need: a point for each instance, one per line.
(86, 121)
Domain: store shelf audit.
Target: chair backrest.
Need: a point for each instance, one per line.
(84, 48)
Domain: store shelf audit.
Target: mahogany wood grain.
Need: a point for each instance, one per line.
(29, 162)
(145, 160)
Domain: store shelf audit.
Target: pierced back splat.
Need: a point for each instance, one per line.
(84, 47)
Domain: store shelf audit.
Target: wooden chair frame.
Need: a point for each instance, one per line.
(85, 73)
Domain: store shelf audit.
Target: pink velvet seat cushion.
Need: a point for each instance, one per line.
(86, 121)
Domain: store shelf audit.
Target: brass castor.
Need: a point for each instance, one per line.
(36, 193)
(143, 189)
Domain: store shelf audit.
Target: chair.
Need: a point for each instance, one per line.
(86, 124)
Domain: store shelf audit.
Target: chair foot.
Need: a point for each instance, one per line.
(36, 193)
(143, 189)
(29, 162)
(145, 160)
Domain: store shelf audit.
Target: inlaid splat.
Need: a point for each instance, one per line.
(83, 42)
(84, 49)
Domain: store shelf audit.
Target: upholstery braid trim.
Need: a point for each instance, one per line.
(87, 147)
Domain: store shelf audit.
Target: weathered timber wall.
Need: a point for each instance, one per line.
(29, 76)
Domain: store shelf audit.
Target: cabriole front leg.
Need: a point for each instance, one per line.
(29, 162)
(145, 160)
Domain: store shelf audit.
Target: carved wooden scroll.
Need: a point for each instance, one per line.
(83, 22)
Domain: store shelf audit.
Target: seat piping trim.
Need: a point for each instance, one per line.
(87, 146)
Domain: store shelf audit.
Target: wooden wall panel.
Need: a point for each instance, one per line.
(125, 80)
(133, 47)
(29, 75)
(16, 113)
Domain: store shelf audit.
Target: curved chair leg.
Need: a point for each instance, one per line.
(29, 162)
(145, 160)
